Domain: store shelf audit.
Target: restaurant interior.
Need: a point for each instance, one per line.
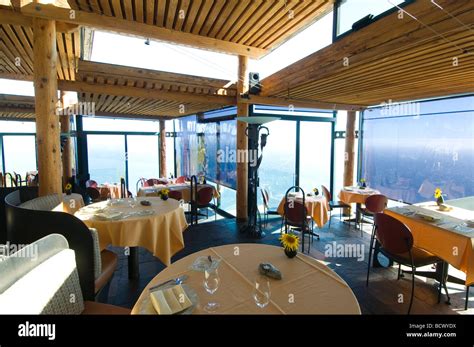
(237, 157)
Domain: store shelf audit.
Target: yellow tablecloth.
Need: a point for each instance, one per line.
(161, 233)
(184, 188)
(308, 286)
(316, 206)
(455, 246)
(356, 195)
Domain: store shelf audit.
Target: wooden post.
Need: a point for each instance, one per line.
(162, 149)
(242, 142)
(349, 154)
(66, 154)
(47, 119)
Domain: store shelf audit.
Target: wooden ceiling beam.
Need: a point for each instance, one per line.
(16, 18)
(301, 103)
(183, 97)
(139, 29)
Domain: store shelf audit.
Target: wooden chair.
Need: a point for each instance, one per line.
(376, 203)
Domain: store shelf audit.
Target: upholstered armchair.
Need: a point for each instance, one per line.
(34, 219)
(42, 278)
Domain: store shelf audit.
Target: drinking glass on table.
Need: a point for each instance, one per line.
(211, 284)
(133, 202)
(261, 291)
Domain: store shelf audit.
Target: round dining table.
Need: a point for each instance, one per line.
(127, 223)
(184, 188)
(307, 286)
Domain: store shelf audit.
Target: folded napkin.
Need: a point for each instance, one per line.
(170, 300)
(108, 215)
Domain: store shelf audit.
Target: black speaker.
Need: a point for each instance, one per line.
(254, 83)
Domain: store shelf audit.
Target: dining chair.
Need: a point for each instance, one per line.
(331, 205)
(296, 216)
(266, 207)
(141, 183)
(376, 203)
(175, 194)
(204, 198)
(396, 243)
(93, 193)
(467, 297)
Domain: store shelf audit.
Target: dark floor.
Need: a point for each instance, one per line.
(381, 297)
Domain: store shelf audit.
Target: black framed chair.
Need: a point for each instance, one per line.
(333, 204)
(396, 243)
(296, 216)
(375, 203)
(466, 305)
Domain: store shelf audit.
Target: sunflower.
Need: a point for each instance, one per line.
(289, 241)
(68, 186)
(437, 193)
(315, 191)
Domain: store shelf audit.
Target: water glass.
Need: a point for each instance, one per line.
(261, 291)
(211, 284)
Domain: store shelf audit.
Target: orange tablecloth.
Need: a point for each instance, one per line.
(184, 188)
(442, 238)
(316, 206)
(161, 233)
(109, 191)
(307, 287)
(356, 195)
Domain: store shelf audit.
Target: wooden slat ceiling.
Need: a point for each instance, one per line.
(16, 41)
(258, 23)
(159, 81)
(391, 59)
(17, 107)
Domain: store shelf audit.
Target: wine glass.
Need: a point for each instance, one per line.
(211, 284)
(261, 291)
(133, 202)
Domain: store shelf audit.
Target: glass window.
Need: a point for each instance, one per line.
(277, 171)
(106, 157)
(169, 126)
(7, 126)
(128, 125)
(143, 159)
(315, 155)
(350, 11)
(20, 154)
(407, 155)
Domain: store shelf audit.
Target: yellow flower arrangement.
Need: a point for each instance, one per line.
(289, 241)
(315, 191)
(68, 186)
(164, 192)
(438, 193)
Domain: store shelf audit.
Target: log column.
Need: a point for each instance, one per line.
(66, 154)
(47, 120)
(349, 155)
(242, 142)
(162, 149)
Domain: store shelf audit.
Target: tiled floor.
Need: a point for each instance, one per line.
(381, 297)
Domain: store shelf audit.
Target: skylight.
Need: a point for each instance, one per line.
(16, 87)
(143, 53)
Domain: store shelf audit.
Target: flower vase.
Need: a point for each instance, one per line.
(68, 191)
(290, 253)
(164, 197)
(440, 200)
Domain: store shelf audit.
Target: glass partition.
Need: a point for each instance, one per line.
(19, 154)
(143, 159)
(106, 155)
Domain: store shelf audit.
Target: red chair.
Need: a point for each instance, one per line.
(333, 204)
(204, 198)
(181, 179)
(296, 215)
(91, 183)
(376, 203)
(175, 194)
(396, 243)
(152, 181)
